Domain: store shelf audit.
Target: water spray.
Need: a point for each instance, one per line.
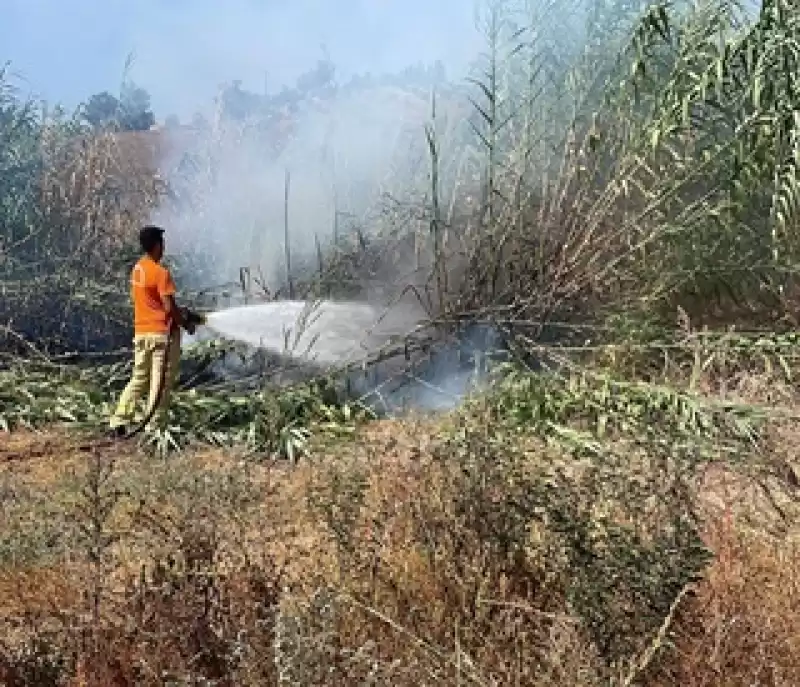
(326, 333)
(385, 355)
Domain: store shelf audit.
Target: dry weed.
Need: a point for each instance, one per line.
(741, 626)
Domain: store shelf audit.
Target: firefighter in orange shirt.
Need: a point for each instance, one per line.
(157, 340)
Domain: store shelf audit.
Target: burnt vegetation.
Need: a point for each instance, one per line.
(618, 506)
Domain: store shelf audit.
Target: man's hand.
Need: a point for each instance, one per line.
(181, 317)
(190, 320)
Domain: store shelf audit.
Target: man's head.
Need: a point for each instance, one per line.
(151, 239)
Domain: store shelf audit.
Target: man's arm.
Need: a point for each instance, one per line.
(174, 313)
(166, 290)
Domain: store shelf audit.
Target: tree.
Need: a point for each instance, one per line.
(239, 104)
(318, 79)
(135, 112)
(102, 109)
(130, 112)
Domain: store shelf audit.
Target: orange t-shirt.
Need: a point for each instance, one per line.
(149, 283)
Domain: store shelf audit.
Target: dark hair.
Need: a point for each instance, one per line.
(150, 236)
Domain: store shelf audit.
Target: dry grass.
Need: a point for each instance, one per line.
(740, 628)
(254, 574)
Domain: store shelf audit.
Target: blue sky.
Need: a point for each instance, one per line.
(65, 50)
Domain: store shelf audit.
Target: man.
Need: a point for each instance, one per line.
(156, 341)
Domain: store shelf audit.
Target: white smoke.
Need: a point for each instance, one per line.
(344, 158)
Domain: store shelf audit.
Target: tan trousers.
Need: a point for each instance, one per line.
(149, 358)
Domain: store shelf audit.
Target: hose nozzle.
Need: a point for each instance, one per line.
(192, 319)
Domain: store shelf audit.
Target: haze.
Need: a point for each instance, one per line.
(184, 49)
